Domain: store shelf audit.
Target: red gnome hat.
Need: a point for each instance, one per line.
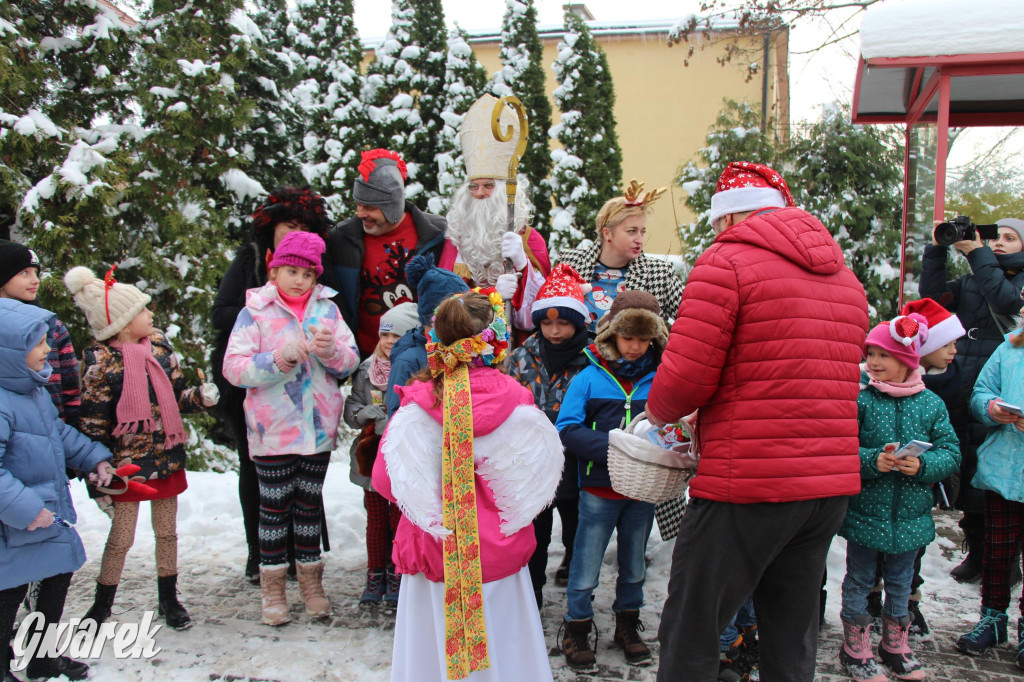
(561, 296)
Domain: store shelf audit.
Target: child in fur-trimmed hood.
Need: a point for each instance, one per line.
(606, 395)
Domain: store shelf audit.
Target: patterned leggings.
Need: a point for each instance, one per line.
(381, 523)
(290, 487)
(1004, 537)
(122, 536)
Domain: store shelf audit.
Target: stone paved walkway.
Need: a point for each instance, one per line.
(229, 639)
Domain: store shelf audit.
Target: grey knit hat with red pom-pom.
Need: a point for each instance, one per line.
(381, 183)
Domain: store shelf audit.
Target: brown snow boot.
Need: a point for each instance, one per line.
(578, 654)
(627, 635)
(311, 587)
(275, 604)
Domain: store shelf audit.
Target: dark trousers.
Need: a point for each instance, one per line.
(1004, 540)
(52, 593)
(568, 512)
(726, 552)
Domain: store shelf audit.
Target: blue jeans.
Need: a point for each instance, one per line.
(861, 567)
(598, 518)
(744, 618)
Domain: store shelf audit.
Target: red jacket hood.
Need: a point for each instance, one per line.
(494, 397)
(794, 234)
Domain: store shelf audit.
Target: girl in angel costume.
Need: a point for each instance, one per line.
(470, 460)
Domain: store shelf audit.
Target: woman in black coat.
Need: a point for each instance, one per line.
(985, 301)
(287, 209)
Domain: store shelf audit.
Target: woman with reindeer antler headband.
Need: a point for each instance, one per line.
(616, 261)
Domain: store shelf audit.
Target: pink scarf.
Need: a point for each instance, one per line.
(913, 384)
(134, 411)
(379, 371)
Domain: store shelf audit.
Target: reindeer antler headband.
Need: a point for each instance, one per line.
(635, 196)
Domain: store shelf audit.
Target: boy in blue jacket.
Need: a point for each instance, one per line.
(606, 395)
(37, 517)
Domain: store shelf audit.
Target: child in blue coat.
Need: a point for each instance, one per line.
(1000, 463)
(604, 396)
(38, 541)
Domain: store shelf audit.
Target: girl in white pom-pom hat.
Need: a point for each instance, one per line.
(133, 394)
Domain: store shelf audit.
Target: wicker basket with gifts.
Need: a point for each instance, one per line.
(648, 463)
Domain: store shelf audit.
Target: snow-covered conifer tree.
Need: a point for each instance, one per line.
(389, 92)
(323, 33)
(735, 136)
(430, 62)
(464, 82)
(588, 167)
(522, 74)
(850, 177)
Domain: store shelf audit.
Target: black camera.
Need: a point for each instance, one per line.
(961, 228)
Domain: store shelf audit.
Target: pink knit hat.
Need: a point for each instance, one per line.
(301, 249)
(901, 338)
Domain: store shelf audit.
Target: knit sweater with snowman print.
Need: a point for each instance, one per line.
(892, 513)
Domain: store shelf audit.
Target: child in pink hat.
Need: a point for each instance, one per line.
(290, 349)
(891, 517)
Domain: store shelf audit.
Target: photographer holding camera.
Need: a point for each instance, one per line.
(985, 301)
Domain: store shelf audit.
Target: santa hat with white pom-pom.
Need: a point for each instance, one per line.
(901, 338)
(109, 306)
(561, 297)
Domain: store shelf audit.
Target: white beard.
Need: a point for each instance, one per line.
(475, 227)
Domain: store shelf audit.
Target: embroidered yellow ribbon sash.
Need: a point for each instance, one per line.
(465, 633)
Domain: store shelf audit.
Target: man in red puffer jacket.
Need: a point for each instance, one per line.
(766, 346)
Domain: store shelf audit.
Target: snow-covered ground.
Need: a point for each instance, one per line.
(229, 643)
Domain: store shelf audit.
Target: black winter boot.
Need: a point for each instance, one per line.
(969, 570)
(627, 635)
(101, 603)
(579, 656)
(170, 608)
(45, 668)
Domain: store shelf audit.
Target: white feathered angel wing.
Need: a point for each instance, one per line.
(522, 463)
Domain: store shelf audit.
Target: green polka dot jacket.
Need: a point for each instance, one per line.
(892, 513)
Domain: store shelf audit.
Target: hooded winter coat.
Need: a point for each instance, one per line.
(518, 462)
(893, 512)
(766, 345)
(35, 449)
(1001, 455)
(295, 412)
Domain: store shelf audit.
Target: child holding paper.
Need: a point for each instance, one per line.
(893, 409)
(1000, 462)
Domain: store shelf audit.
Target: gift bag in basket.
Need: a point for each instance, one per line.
(641, 470)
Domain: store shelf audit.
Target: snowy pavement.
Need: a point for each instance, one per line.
(228, 642)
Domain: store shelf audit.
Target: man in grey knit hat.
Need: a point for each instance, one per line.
(366, 255)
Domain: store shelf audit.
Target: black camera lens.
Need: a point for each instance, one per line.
(946, 234)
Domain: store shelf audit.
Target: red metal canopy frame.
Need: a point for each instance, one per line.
(917, 98)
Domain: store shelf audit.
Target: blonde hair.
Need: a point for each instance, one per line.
(615, 211)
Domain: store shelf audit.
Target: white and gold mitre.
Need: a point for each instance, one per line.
(484, 156)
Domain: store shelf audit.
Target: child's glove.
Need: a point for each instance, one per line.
(209, 394)
(506, 286)
(291, 354)
(371, 413)
(512, 248)
(323, 344)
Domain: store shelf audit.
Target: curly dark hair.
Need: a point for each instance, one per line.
(286, 204)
